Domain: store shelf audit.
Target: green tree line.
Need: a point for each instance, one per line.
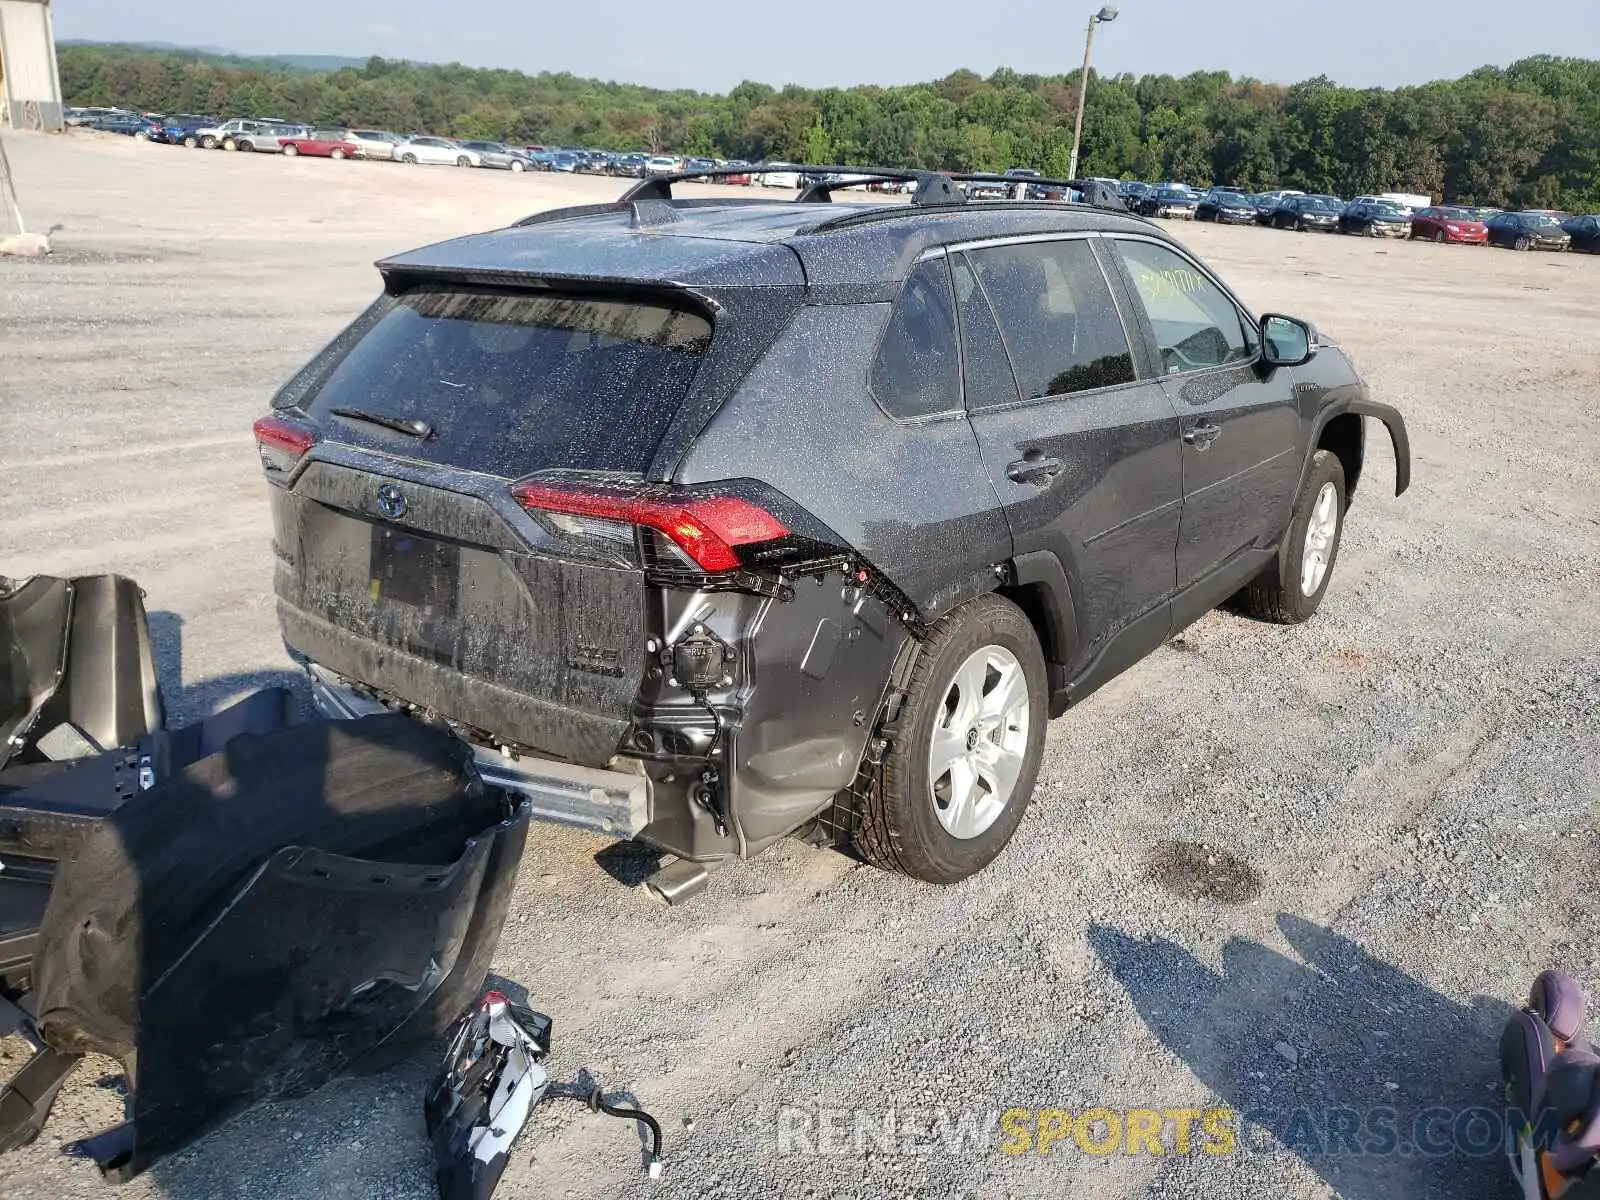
(1523, 135)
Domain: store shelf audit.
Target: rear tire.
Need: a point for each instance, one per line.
(409, 159)
(209, 143)
(1440, 238)
(338, 154)
(1290, 590)
(942, 828)
(291, 152)
(1524, 243)
(517, 166)
(189, 143)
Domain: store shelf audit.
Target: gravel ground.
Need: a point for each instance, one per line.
(1406, 788)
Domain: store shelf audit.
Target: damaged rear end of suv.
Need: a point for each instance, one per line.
(481, 517)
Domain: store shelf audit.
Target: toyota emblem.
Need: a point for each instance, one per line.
(391, 503)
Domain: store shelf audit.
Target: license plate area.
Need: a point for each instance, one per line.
(419, 572)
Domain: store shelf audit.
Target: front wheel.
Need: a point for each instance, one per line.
(291, 151)
(463, 161)
(1439, 238)
(338, 154)
(961, 768)
(1290, 590)
(189, 142)
(208, 143)
(1524, 243)
(517, 166)
(409, 159)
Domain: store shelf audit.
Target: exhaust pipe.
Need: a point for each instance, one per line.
(679, 881)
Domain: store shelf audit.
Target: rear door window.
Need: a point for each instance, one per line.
(510, 382)
(1055, 312)
(918, 369)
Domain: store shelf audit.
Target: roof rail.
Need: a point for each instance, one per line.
(817, 183)
(934, 189)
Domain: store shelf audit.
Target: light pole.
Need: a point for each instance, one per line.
(1105, 14)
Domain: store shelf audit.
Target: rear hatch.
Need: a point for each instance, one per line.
(406, 563)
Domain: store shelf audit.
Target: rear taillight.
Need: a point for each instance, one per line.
(711, 531)
(282, 443)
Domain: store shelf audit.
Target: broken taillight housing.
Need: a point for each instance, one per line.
(282, 443)
(710, 531)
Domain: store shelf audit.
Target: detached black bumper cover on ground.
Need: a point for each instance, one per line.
(241, 926)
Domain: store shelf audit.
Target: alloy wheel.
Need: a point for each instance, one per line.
(1320, 532)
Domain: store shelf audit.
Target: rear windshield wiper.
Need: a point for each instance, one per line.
(413, 427)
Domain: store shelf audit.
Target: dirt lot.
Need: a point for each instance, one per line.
(1413, 776)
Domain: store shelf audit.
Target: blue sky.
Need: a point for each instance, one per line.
(713, 44)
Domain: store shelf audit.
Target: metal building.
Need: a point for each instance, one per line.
(30, 84)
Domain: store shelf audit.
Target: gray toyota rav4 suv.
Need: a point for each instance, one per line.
(711, 521)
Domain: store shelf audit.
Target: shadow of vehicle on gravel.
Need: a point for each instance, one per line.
(1380, 1085)
(189, 701)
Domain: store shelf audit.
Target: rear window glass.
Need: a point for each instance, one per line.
(510, 382)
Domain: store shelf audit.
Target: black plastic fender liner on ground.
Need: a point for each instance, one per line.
(315, 900)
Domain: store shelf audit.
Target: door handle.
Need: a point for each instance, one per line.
(1201, 434)
(1033, 467)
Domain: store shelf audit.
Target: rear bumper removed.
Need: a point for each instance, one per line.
(602, 801)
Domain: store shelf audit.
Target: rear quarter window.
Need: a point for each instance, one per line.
(917, 372)
(510, 382)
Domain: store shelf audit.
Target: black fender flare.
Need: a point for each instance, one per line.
(1401, 440)
(1043, 571)
(1392, 421)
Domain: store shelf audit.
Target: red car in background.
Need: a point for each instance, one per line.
(1446, 224)
(323, 143)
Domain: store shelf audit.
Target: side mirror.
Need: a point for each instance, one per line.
(1286, 342)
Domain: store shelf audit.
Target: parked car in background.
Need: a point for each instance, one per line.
(564, 162)
(743, 178)
(1226, 206)
(182, 130)
(1528, 231)
(630, 166)
(1169, 200)
(377, 144)
(1305, 213)
(268, 138)
(1267, 203)
(778, 175)
(1444, 223)
(499, 156)
(241, 134)
(660, 164)
(436, 152)
(1375, 218)
(1584, 232)
(127, 124)
(322, 143)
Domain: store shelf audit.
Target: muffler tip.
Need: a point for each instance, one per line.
(677, 882)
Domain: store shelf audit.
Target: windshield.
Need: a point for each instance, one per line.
(511, 382)
(1173, 194)
(1456, 214)
(1314, 204)
(1389, 210)
(1541, 220)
